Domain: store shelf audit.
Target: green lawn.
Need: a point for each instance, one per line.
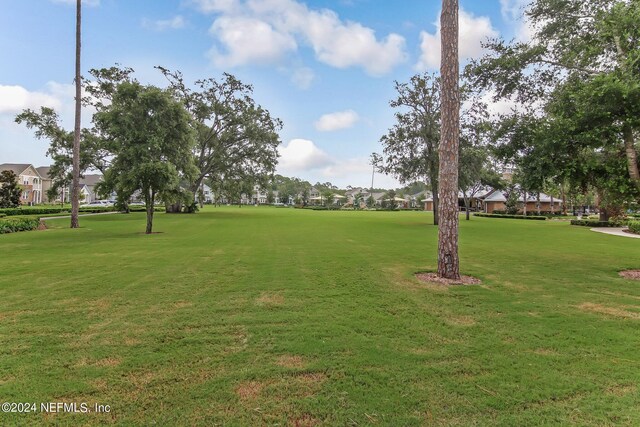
(250, 316)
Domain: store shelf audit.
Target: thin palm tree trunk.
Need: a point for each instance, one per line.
(75, 202)
(448, 262)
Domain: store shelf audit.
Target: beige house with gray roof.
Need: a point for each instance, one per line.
(29, 180)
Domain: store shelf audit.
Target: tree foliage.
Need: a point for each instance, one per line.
(579, 77)
(411, 145)
(234, 135)
(46, 124)
(151, 137)
(10, 191)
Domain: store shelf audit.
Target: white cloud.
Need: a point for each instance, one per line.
(18, 143)
(303, 77)
(288, 23)
(473, 31)
(211, 6)
(301, 155)
(14, 99)
(501, 106)
(347, 44)
(356, 172)
(513, 13)
(175, 23)
(512, 9)
(336, 121)
(302, 158)
(248, 40)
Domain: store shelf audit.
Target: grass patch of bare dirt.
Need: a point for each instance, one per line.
(630, 274)
(433, 278)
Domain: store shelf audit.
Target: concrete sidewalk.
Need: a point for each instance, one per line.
(615, 231)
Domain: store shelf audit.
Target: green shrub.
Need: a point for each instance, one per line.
(13, 225)
(2, 215)
(139, 208)
(97, 209)
(507, 216)
(596, 223)
(32, 211)
(634, 227)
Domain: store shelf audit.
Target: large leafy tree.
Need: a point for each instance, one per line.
(580, 67)
(46, 124)
(10, 191)
(411, 145)
(151, 138)
(234, 135)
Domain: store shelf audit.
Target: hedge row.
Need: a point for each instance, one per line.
(530, 217)
(595, 223)
(97, 209)
(634, 227)
(13, 225)
(139, 208)
(545, 213)
(32, 211)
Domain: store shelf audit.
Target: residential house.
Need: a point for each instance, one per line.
(29, 181)
(313, 193)
(416, 200)
(352, 193)
(428, 201)
(47, 182)
(496, 201)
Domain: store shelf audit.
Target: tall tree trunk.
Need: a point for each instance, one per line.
(150, 201)
(538, 203)
(448, 261)
(632, 155)
(75, 202)
(524, 206)
(466, 205)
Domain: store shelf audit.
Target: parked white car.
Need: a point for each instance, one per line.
(98, 203)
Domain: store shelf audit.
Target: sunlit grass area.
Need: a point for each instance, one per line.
(250, 316)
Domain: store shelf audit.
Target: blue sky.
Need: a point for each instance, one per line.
(325, 67)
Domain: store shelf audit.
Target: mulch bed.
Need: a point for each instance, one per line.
(626, 230)
(630, 274)
(433, 278)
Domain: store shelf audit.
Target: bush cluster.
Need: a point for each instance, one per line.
(596, 223)
(32, 211)
(634, 227)
(548, 214)
(139, 208)
(13, 225)
(508, 216)
(97, 209)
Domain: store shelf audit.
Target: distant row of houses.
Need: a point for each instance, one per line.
(487, 200)
(35, 183)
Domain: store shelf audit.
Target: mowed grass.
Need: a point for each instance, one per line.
(254, 316)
